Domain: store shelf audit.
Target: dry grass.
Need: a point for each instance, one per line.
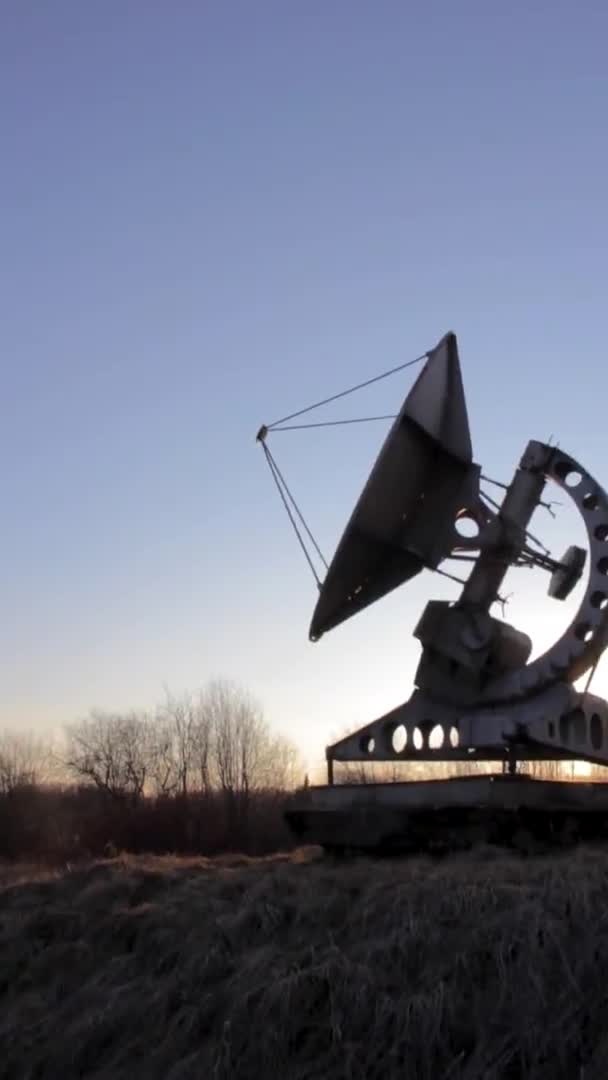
(296, 968)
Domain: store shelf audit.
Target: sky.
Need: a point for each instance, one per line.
(212, 214)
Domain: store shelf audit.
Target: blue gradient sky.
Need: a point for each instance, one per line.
(214, 212)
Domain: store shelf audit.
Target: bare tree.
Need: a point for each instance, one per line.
(111, 751)
(245, 756)
(183, 714)
(181, 740)
(163, 766)
(200, 748)
(25, 760)
(236, 727)
(286, 767)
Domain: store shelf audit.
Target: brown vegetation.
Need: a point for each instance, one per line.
(206, 962)
(474, 967)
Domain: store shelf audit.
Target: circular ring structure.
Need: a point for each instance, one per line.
(581, 645)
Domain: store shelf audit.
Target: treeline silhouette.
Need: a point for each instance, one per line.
(203, 774)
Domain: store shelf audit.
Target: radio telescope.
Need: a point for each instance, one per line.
(477, 695)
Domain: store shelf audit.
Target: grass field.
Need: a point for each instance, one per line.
(297, 968)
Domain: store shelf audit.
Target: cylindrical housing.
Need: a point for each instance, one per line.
(523, 496)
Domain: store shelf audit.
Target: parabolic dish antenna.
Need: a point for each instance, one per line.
(476, 690)
(404, 518)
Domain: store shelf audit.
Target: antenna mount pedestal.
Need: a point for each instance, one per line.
(477, 697)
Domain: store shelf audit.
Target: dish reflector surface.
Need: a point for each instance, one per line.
(404, 518)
